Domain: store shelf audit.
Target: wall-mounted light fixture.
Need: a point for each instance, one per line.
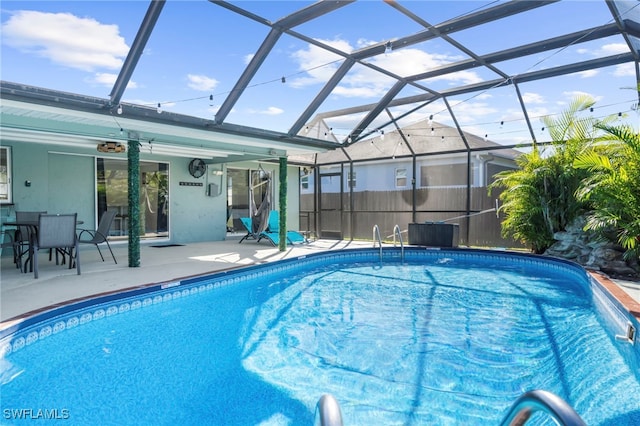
(111, 147)
(214, 189)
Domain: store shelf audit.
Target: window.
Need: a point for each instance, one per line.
(5, 175)
(444, 175)
(351, 179)
(401, 178)
(112, 189)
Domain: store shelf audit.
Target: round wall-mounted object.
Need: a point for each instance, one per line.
(197, 168)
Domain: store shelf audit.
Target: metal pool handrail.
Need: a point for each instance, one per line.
(396, 230)
(376, 237)
(540, 400)
(328, 411)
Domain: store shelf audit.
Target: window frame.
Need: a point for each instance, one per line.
(6, 175)
(399, 177)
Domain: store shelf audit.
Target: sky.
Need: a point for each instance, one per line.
(198, 50)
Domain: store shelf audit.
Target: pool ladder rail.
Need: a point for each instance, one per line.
(540, 400)
(396, 231)
(328, 410)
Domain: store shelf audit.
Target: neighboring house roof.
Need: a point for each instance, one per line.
(421, 139)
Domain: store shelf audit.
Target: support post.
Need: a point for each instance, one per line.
(282, 246)
(133, 199)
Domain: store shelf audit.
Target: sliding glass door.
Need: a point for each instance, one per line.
(112, 193)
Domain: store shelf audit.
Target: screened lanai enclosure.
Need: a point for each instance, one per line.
(440, 125)
(394, 111)
(409, 176)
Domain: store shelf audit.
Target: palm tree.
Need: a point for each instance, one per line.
(613, 186)
(539, 198)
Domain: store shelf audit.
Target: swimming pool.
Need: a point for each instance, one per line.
(445, 337)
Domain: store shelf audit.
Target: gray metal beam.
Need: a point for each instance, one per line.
(375, 111)
(465, 22)
(518, 52)
(144, 32)
(622, 25)
(486, 85)
(321, 96)
(301, 16)
(251, 70)
(446, 38)
(311, 12)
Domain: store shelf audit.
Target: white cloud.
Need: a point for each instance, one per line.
(318, 64)
(66, 39)
(614, 48)
(625, 70)
(570, 95)
(470, 111)
(108, 79)
(362, 82)
(532, 98)
(248, 58)
(269, 111)
(201, 82)
(605, 50)
(272, 111)
(588, 73)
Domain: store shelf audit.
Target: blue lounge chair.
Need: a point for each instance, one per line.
(248, 226)
(272, 233)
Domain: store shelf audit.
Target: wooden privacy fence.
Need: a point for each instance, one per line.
(354, 214)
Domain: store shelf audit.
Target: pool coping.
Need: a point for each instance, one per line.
(25, 320)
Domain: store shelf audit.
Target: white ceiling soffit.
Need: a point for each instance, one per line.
(32, 122)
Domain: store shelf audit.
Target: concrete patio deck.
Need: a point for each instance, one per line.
(20, 293)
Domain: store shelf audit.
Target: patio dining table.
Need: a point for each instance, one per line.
(33, 232)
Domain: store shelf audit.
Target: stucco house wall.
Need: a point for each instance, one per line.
(61, 179)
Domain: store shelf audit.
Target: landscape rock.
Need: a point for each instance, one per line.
(589, 250)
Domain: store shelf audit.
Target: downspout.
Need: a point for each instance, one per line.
(282, 244)
(133, 199)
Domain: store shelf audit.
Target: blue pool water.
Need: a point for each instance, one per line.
(441, 339)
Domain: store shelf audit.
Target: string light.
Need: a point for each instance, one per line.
(159, 108)
(119, 110)
(284, 80)
(388, 48)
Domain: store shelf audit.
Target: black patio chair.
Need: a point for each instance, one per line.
(57, 231)
(23, 236)
(99, 236)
